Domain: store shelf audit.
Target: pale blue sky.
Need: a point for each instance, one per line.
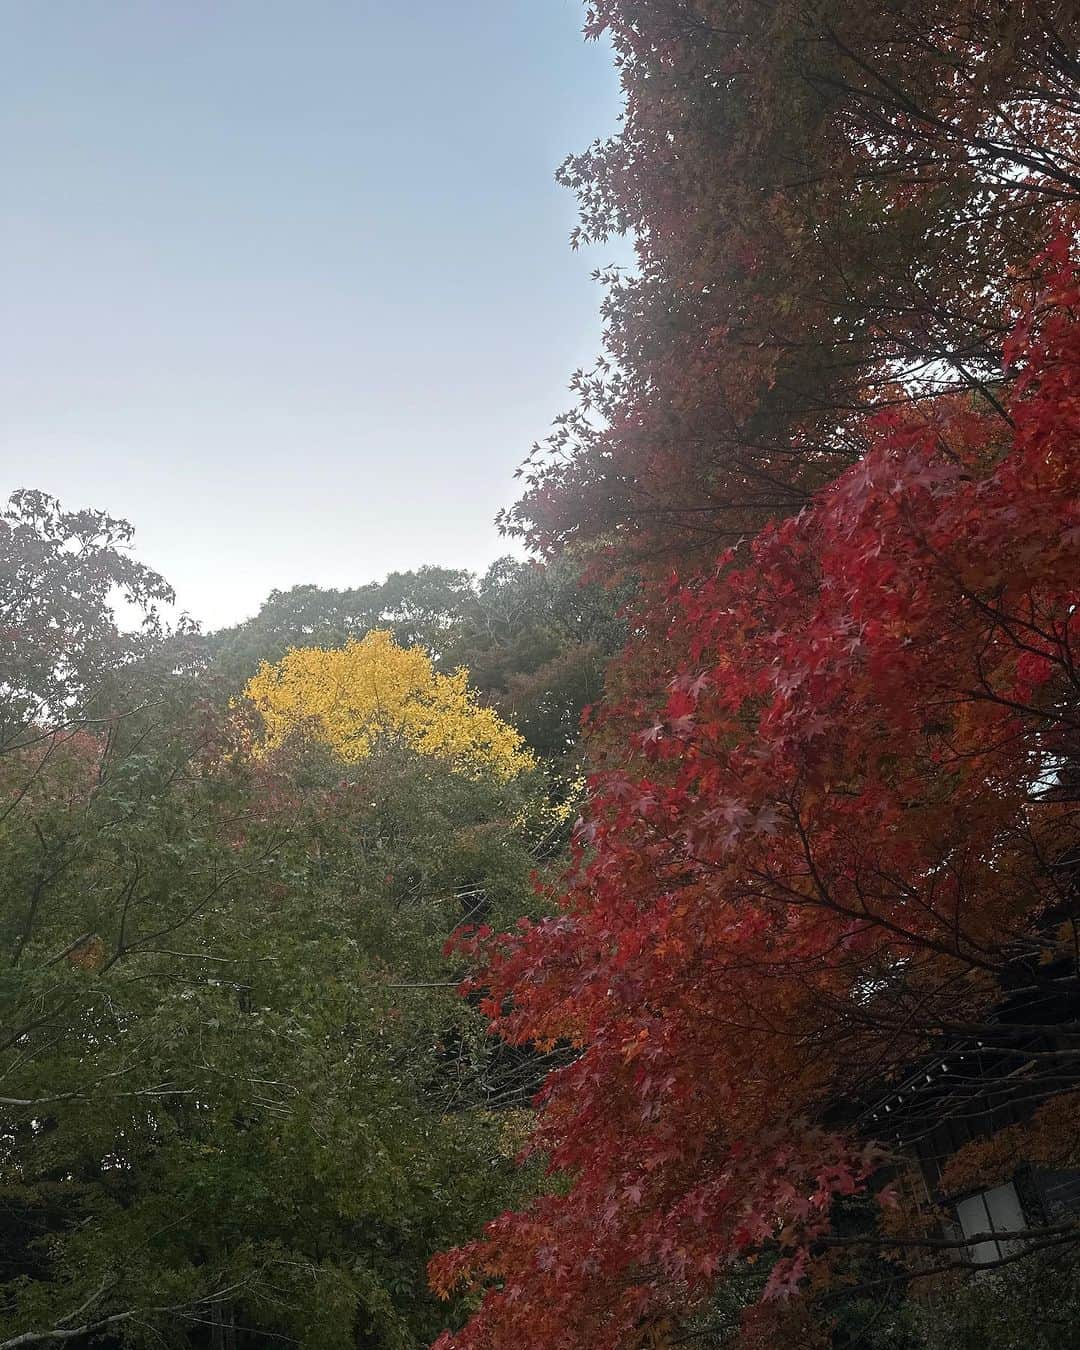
(287, 282)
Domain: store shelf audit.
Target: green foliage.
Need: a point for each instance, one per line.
(235, 1059)
(60, 645)
(538, 641)
(237, 1086)
(1034, 1305)
(535, 641)
(422, 608)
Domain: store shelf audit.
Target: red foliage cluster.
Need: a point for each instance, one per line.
(821, 195)
(825, 825)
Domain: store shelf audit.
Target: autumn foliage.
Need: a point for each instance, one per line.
(823, 196)
(824, 827)
(351, 697)
(832, 822)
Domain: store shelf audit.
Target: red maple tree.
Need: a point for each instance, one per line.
(835, 764)
(828, 822)
(823, 197)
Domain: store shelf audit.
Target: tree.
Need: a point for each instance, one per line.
(61, 650)
(829, 204)
(834, 208)
(241, 1102)
(370, 690)
(237, 1083)
(535, 640)
(423, 608)
(835, 822)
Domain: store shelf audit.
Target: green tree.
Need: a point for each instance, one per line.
(422, 608)
(241, 1100)
(535, 641)
(61, 648)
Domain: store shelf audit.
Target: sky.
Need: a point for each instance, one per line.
(286, 283)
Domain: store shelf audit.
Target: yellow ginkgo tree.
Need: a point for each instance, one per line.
(369, 690)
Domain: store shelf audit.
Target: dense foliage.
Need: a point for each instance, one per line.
(358, 696)
(824, 486)
(824, 196)
(241, 1101)
(534, 640)
(832, 825)
(825, 832)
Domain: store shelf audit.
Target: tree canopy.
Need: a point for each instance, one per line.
(831, 826)
(824, 198)
(828, 830)
(242, 1102)
(370, 690)
(320, 1024)
(536, 640)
